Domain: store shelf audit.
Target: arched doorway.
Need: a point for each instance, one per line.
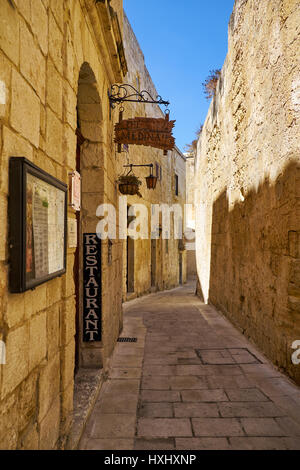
(90, 165)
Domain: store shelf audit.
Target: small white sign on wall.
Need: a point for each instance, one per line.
(75, 190)
(72, 233)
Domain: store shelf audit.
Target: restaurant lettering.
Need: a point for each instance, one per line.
(151, 132)
(91, 288)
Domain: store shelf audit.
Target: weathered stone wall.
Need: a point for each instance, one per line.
(167, 254)
(248, 181)
(43, 45)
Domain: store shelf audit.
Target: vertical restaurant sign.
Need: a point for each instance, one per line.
(92, 291)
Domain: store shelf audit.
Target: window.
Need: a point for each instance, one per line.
(176, 185)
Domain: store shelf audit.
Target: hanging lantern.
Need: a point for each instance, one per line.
(151, 180)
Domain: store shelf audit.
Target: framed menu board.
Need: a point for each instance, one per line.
(38, 225)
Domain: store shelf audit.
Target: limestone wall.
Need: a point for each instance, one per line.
(247, 180)
(44, 44)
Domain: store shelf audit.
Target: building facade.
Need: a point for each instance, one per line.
(247, 181)
(58, 61)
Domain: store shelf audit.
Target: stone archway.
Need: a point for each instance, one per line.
(90, 165)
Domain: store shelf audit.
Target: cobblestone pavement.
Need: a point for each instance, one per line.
(191, 381)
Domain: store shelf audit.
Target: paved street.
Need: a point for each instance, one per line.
(191, 381)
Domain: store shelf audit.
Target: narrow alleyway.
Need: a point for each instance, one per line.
(191, 381)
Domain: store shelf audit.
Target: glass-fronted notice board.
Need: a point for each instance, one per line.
(38, 223)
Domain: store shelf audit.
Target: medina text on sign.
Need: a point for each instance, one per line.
(153, 132)
(92, 299)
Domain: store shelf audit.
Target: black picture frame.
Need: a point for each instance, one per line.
(20, 280)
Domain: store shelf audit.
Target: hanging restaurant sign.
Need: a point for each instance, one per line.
(152, 132)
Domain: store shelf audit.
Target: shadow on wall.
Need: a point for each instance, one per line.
(255, 265)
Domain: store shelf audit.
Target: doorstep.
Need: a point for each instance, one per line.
(87, 386)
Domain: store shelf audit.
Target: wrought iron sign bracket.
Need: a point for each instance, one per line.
(119, 94)
(131, 165)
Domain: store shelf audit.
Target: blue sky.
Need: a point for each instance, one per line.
(182, 41)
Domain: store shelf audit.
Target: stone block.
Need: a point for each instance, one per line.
(106, 444)
(204, 396)
(69, 146)
(30, 439)
(93, 181)
(67, 398)
(188, 383)
(122, 403)
(15, 309)
(55, 44)
(9, 31)
(53, 330)
(25, 109)
(164, 427)
(13, 145)
(54, 89)
(32, 62)
(217, 427)
(40, 24)
(57, 8)
(27, 400)
(54, 136)
(261, 427)
(49, 427)
(70, 71)
(160, 396)
(38, 339)
(49, 386)
(35, 301)
(154, 444)
(258, 443)
(9, 423)
(155, 410)
(202, 443)
(155, 383)
(67, 364)
(122, 373)
(17, 359)
(54, 291)
(69, 106)
(68, 282)
(68, 320)
(93, 156)
(5, 85)
(111, 426)
(251, 410)
(246, 395)
(24, 8)
(196, 410)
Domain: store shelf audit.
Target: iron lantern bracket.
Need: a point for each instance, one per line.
(119, 94)
(149, 165)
